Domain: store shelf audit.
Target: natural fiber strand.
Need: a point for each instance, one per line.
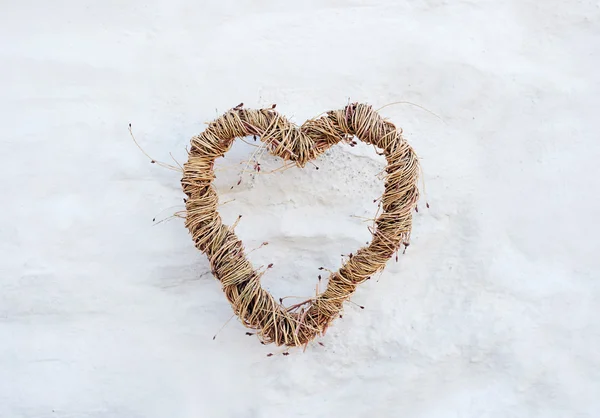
(257, 309)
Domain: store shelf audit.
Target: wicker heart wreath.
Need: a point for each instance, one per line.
(299, 324)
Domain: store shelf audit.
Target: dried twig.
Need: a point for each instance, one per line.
(257, 309)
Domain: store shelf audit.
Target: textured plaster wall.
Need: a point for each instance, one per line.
(492, 312)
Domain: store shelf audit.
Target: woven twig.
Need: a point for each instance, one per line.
(299, 324)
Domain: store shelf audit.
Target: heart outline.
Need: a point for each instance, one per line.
(256, 307)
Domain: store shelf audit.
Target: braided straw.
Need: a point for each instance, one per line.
(299, 324)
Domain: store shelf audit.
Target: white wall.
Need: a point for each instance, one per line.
(492, 312)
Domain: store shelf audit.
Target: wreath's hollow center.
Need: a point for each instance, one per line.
(309, 217)
(255, 306)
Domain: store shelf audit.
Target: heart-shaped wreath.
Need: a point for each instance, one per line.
(256, 307)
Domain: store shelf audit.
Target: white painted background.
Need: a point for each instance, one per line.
(492, 312)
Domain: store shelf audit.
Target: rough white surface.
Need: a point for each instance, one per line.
(492, 312)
